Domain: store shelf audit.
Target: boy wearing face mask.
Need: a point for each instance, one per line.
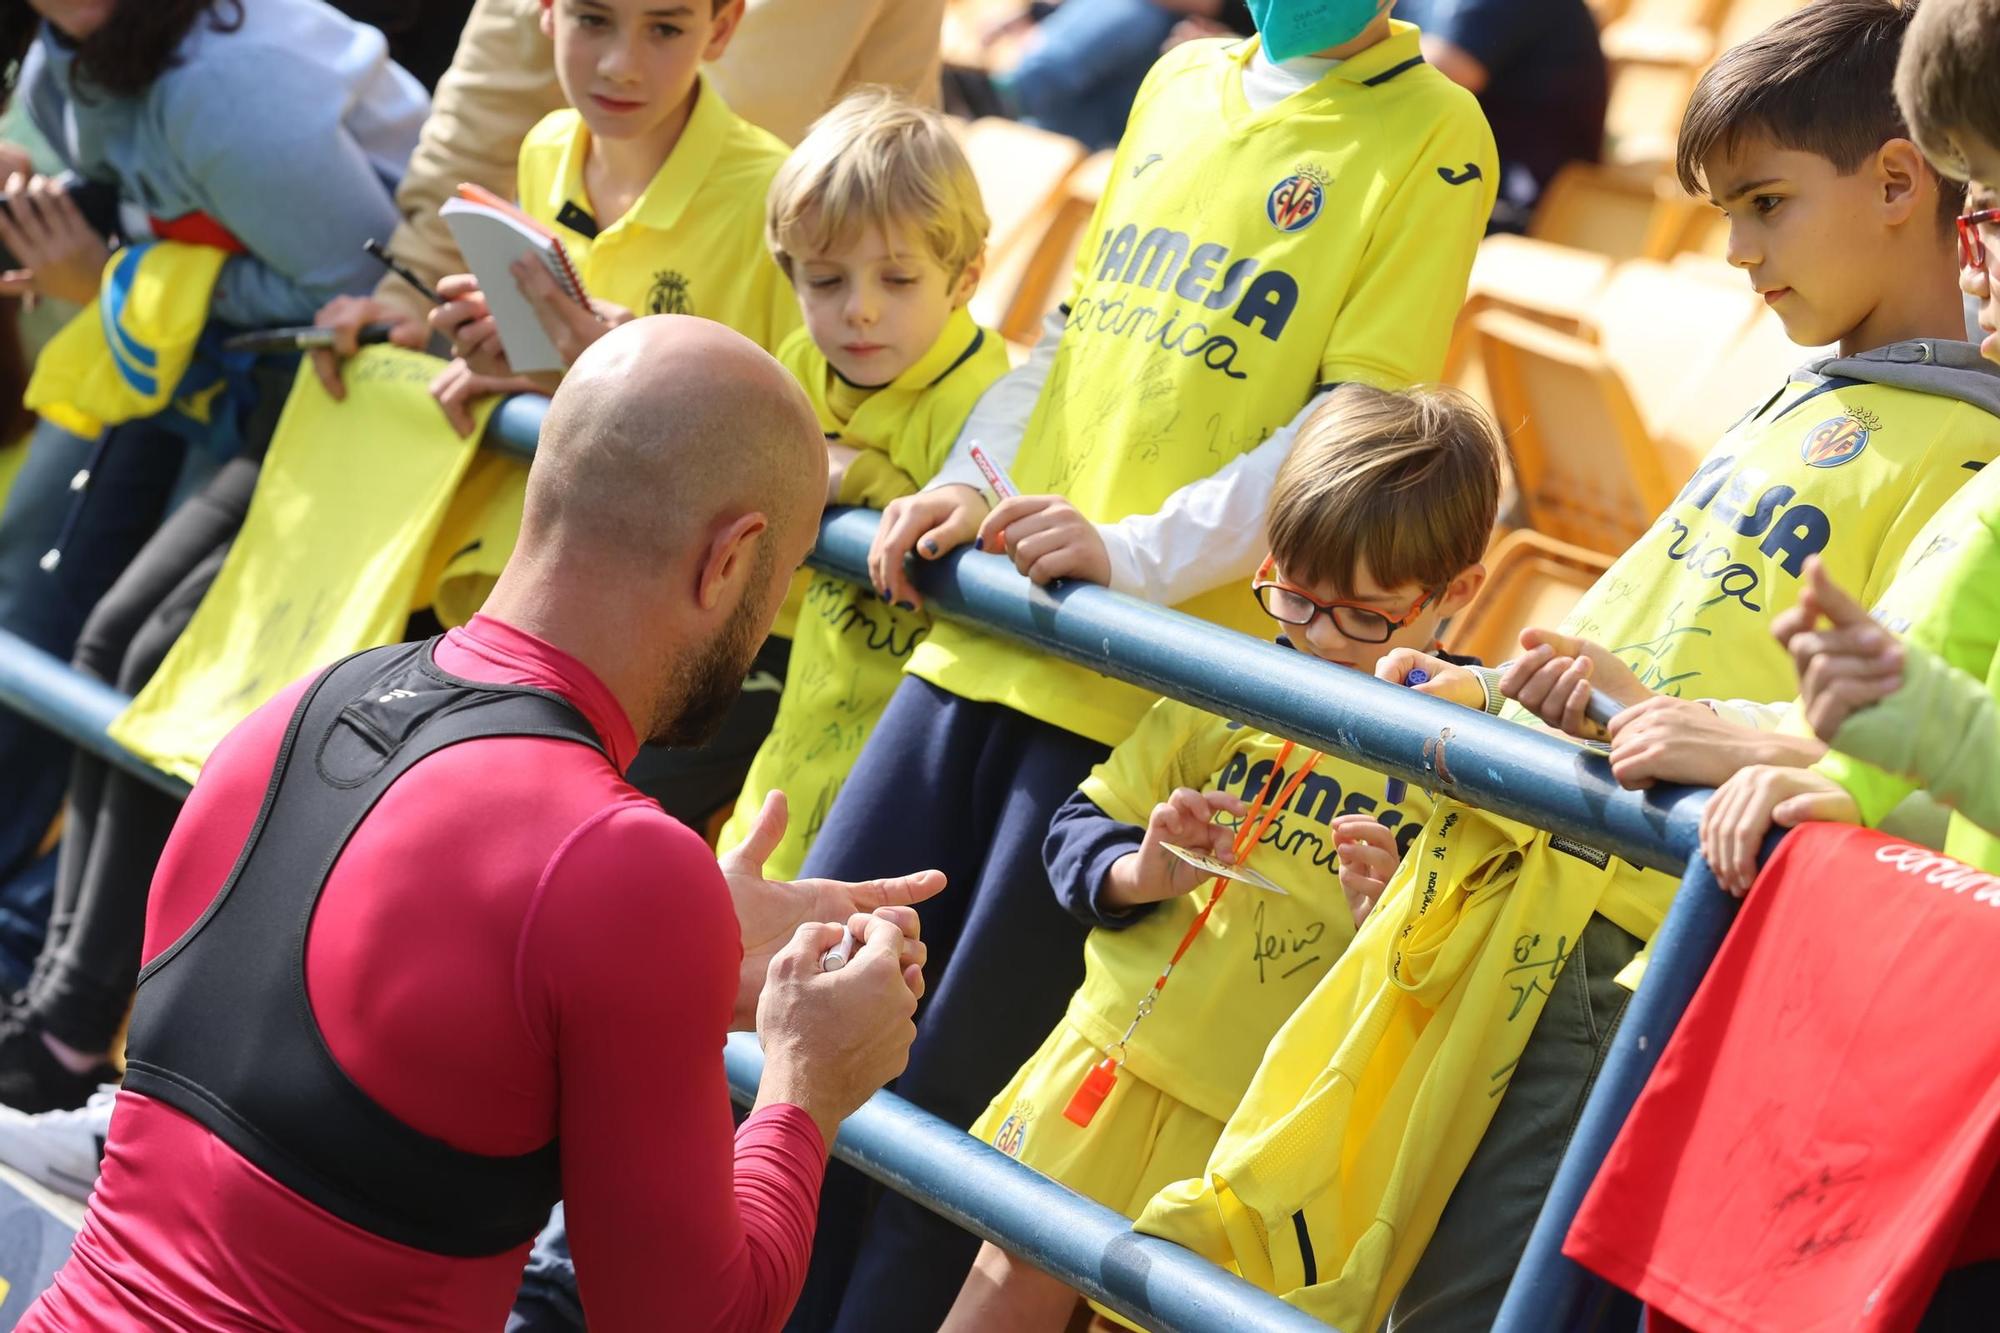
(1284, 215)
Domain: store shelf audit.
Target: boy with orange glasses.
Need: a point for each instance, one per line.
(1377, 526)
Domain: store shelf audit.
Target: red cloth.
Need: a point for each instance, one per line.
(1820, 1138)
(515, 944)
(198, 229)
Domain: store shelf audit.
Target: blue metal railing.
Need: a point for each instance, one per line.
(1481, 760)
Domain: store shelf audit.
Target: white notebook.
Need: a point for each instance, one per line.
(491, 234)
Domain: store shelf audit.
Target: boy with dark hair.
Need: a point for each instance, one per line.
(1378, 525)
(1903, 689)
(1841, 225)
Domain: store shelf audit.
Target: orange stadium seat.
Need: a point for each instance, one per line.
(1593, 428)
(1530, 580)
(1022, 285)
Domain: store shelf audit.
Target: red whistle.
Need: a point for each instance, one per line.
(1090, 1093)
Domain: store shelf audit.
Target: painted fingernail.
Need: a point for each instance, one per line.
(978, 543)
(906, 606)
(930, 547)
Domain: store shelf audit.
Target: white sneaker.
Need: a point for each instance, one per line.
(59, 1149)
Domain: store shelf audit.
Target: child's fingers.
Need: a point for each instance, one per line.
(993, 534)
(1222, 802)
(1191, 812)
(1574, 690)
(327, 367)
(1519, 681)
(1834, 603)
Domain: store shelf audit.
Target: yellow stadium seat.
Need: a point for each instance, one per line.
(1024, 283)
(1021, 171)
(1666, 329)
(1585, 470)
(1531, 579)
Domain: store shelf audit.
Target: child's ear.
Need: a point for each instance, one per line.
(547, 19)
(1458, 594)
(1906, 182)
(722, 27)
(968, 279)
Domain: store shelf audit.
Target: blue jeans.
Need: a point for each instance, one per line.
(131, 481)
(1085, 67)
(547, 1302)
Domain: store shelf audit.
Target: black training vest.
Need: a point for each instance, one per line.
(222, 1029)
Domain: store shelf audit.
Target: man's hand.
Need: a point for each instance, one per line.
(1047, 538)
(1743, 809)
(458, 386)
(1664, 739)
(932, 523)
(1186, 819)
(345, 315)
(58, 253)
(1368, 859)
(1553, 678)
(1446, 681)
(832, 1038)
(1850, 664)
(467, 323)
(770, 911)
(571, 326)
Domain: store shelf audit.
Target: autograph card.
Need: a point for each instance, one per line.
(1241, 874)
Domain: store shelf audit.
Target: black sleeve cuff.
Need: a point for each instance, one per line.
(1082, 846)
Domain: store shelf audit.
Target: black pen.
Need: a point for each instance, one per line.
(395, 266)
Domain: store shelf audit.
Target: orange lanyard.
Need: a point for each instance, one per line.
(1097, 1084)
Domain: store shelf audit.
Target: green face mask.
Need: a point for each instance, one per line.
(1300, 27)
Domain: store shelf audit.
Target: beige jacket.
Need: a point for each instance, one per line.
(787, 63)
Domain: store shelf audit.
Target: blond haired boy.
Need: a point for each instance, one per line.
(878, 222)
(1377, 526)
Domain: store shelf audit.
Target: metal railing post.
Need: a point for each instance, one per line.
(47, 690)
(1152, 1281)
(1484, 761)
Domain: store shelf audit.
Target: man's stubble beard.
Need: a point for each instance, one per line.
(709, 678)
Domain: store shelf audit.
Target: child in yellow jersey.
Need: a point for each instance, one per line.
(877, 220)
(656, 189)
(1905, 693)
(1837, 219)
(654, 185)
(1377, 525)
(1282, 218)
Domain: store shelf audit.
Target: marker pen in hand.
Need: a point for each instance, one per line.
(836, 958)
(1003, 485)
(401, 270)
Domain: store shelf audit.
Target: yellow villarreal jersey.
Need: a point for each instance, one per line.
(1260, 953)
(1847, 472)
(849, 646)
(1238, 261)
(693, 242)
(1946, 598)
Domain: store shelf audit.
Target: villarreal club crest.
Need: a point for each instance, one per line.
(1834, 442)
(1297, 199)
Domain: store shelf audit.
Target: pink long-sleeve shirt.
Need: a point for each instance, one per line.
(516, 944)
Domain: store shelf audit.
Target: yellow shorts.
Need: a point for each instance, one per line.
(1140, 1140)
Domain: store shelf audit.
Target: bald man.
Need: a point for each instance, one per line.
(420, 962)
